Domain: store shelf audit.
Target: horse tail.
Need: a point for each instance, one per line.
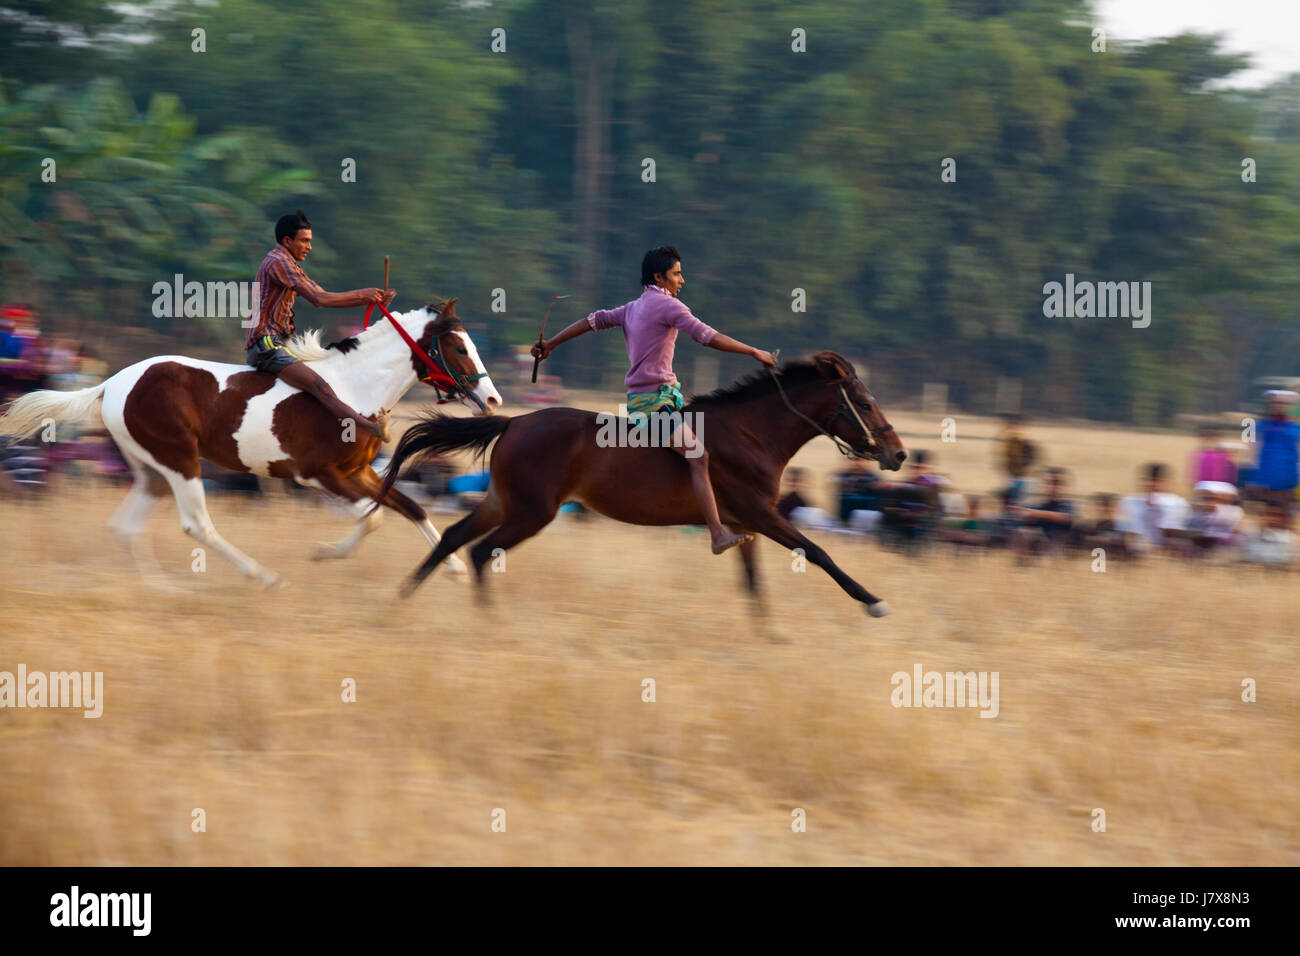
(439, 434)
(30, 412)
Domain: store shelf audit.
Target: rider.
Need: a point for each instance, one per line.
(280, 280)
(650, 326)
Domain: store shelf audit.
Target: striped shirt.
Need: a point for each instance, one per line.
(280, 280)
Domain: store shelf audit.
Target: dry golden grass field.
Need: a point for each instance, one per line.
(1119, 690)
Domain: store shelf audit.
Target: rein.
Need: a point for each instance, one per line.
(441, 376)
(843, 447)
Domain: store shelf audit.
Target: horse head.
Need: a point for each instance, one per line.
(460, 374)
(847, 411)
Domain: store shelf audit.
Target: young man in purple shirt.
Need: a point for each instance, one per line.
(650, 325)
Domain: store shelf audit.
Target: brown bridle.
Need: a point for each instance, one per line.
(870, 446)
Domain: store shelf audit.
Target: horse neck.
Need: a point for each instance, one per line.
(779, 430)
(374, 375)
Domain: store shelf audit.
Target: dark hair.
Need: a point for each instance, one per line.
(1153, 471)
(658, 260)
(286, 227)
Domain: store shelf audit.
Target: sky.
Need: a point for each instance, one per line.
(1268, 30)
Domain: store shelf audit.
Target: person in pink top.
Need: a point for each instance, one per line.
(650, 325)
(1209, 462)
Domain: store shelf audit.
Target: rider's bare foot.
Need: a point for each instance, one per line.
(378, 426)
(728, 541)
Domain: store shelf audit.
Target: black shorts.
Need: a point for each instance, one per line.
(269, 354)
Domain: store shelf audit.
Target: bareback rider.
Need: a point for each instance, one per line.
(650, 325)
(281, 279)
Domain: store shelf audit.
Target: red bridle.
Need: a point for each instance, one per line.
(437, 377)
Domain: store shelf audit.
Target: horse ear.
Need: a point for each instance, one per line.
(449, 307)
(832, 367)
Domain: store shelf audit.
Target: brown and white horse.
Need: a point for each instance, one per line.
(169, 412)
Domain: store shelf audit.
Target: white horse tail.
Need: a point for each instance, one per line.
(36, 409)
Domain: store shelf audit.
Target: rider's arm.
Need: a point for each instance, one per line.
(572, 332)
(725, 343)
(302, 284)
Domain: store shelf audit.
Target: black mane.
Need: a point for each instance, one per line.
(758, 384)
(344, 345)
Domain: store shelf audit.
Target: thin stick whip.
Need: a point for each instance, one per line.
(541, 336)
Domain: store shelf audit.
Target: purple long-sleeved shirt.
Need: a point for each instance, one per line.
(650, 326)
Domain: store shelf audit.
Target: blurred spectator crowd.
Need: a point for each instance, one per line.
(1231, 512)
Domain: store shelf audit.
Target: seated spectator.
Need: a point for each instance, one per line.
(971, 529)
(857, 489)
(1045, 527)
(1209, 525)
(1102, 532)
(1145, 516)
(794, 497)
(796, 508)
(911, 508)
(1273, 545)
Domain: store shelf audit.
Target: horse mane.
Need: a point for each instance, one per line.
(758, 384)
(307, 345)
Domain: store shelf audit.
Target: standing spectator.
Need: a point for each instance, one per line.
(1275, 475)
(1014, 455)
(1274, 544)
(1211, 461)
(1145, 516)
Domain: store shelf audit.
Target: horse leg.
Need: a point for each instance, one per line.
(404, 505)
(197, 523)
(368, 521)
(771, 525)
(749, 556)
(147, 489)
(520, 525)
(473, 526)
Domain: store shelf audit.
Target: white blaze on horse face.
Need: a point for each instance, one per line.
(484, 389)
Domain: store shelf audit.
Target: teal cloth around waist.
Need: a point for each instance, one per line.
(667, 396)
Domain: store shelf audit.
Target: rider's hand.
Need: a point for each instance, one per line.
(765, 357)
(542, 350)
(388, 297)
(372, 295)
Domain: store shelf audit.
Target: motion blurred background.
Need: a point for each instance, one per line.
(774, 170)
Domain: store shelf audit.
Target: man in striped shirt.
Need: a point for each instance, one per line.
(281, 280)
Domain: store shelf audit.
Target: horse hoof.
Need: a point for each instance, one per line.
(271, 581)
(323, 552)
(879, 609)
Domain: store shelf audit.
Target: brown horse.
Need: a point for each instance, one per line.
(751, 430)
(167, 413)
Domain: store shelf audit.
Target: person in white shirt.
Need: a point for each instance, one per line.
(1144, 517)
(1274, 544)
